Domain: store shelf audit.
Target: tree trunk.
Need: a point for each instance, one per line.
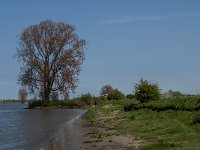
(46, 95)
(47, 92)
(47, 88)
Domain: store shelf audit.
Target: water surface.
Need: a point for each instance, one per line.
(31, 129)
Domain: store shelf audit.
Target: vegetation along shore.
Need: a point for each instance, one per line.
(59, 91)
(143, 120)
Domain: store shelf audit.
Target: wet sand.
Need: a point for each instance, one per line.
(75, 136)
(70, 138)
(112, 143)
(120, 142)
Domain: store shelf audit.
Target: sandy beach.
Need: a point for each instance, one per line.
(70, 138)
(76, 137)
(113, 142)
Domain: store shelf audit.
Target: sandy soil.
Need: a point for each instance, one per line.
(70, 138)
(121, 142)
(113, 143)
(76, 136)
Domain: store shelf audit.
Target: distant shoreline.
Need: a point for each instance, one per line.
(13, 102)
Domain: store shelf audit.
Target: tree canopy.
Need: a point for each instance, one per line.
(51, 56)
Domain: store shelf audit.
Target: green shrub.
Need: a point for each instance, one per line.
(128, 107)
(196, 118)
(130, 96)
(87, 99)
(186, 103)
(146, 91)
(102, 98)
(198, 100)
(53, 104)
(132, 117)
(116, 95)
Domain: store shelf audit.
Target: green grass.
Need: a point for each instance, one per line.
(166, 129)
(81, 102)
(184, 103)
(171, 123)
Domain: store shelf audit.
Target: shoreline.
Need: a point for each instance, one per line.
(109, 142)
(77, 135)
(80, 133)
(70, 137)
(111, 125)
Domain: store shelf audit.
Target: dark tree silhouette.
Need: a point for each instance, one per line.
(51, 55)
(106, 89)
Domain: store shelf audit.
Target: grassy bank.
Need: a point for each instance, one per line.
(167, 128)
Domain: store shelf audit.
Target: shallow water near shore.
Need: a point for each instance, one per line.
(37, 129)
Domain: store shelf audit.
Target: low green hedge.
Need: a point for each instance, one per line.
(176, 104)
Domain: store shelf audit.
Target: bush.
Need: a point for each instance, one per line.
(130, 96)
(107, 91)
(116, 95)
(102, 98)
(53, 104)
(196, 118)
(128, 107)
(146, 91)
(87, 99)
(189, 103)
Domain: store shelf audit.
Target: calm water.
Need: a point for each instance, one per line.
(31, 129)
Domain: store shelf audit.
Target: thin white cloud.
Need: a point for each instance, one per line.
(130, 19)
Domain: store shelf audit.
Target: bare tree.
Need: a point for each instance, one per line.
(106, 89)
(51, 55)
(22, 94)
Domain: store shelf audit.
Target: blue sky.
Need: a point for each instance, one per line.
(158, 40)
